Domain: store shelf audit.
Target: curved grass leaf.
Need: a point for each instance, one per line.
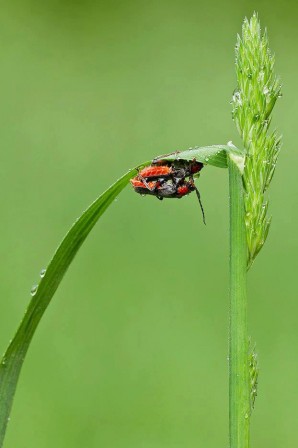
(14, 356)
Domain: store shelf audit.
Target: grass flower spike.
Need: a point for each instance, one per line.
(253, 100)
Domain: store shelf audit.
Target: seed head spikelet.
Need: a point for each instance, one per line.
(253, 100)
(253, 374)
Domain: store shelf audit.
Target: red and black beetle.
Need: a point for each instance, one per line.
(168, 179)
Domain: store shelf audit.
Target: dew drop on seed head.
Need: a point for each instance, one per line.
(33, 290)
(261, 75)
(42, 273)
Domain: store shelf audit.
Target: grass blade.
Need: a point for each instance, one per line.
(14, 356)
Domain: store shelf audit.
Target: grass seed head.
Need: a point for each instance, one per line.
(253, 100)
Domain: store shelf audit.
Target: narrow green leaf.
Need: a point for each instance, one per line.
(13, 358)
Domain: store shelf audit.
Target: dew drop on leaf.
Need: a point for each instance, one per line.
(33, 290)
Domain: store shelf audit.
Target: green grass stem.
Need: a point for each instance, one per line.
(239, 390)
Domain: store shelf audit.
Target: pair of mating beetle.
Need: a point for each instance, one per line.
(168, 179)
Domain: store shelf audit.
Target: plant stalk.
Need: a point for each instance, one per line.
(239, 393)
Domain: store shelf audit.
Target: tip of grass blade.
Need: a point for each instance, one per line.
(214, 155)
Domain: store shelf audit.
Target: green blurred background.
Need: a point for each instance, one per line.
(133, 350)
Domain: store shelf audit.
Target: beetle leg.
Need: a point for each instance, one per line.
(146, 183)
(159, 158)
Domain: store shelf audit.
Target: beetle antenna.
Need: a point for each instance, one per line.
(201, 205)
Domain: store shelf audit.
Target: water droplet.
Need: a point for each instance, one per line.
(42, 273)
(3, 362)
(246, 416)
(33, 290)
(266, 90)
(237, 97)
(206, 159)
(116, 199)
(261, 75)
